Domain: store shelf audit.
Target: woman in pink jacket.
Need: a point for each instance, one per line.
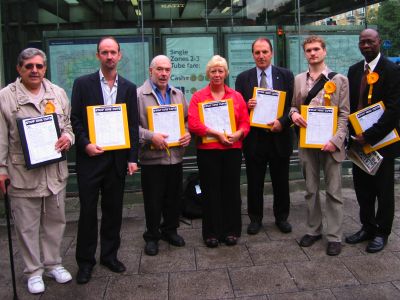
(219, 162)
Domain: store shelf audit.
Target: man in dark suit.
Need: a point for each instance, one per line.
(376, 226)
(261, 146)
(99, 170)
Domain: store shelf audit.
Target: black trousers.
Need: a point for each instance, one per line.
(162, 194)
(256, 166)
(371, 189)
(107, 181)
(220, 184)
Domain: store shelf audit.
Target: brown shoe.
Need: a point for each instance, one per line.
(334, 248)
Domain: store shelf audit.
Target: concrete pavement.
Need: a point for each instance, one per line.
(269, 265)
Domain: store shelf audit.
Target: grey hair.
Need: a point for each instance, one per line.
(156, 58)
(29, 53)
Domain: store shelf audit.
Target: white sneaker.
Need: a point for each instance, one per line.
(36, 285)
(60, 274)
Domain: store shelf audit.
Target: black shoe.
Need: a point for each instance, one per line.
(376, 244)
(284, 226)
(84, 274)
(358, 237)
(254, 227)
(174, 239)
(211, 242)
(308, 240)
(114, 265)
(231, 240)
(151, 248)
(334, 248)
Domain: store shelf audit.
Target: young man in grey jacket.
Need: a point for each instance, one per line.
(161, 166)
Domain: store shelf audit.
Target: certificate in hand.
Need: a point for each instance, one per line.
(321, 125)
(366, 118)
(108, 126)
(270, 106)
(218, 115)
(38, 139)
(169, 120)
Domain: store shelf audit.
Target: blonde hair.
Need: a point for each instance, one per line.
(217, 61)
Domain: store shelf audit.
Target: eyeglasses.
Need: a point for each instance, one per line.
(31, 66)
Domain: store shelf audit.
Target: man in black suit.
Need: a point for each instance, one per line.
(99, 170)
(261, 146)
(376, 226)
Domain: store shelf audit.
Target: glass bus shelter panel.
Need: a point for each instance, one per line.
(78, 57)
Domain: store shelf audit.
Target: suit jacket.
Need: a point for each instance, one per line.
(282, 80)
(387, 89)
(339, 98)
(87, 91)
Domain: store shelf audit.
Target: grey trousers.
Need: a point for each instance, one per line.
(39, 224)
(312, 160)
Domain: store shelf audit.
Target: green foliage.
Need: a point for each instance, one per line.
(388, 22)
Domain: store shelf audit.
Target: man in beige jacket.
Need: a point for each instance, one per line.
(161, 166)
(331, 154)
(37, 195)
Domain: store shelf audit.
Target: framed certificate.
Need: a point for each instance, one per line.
(218, 115)
(366, 118)
(270, 106)
(167, 119)
(38, 139)
(321, 125)
(108, 126)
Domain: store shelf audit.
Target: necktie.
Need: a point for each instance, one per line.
(263, 81)
(363, 85)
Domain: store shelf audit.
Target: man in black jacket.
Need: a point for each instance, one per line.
(264, 147)
(376, 226)
(100, 170)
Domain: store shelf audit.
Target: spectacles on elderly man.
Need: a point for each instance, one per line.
(31, 66)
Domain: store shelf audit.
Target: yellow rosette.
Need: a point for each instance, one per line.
(329, 88)
(49, 108)
(371, 79)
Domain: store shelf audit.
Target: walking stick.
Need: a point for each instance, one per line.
(10, 247)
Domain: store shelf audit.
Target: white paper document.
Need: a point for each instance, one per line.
(41, 137)
(320, 125)
(266, 109)
(368, 117)
(216, 116)
(166, 121)
(109, 126)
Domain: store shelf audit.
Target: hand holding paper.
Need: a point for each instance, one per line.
(276, 126)
(185, 139)
(158, 141)
(298, 120)
(252, 103)
(93, 150)
(63, 143)
(329, 147)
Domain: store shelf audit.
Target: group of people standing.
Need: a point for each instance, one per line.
(38, 195)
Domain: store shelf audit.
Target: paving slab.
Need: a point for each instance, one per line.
(259, 280)
(223, 256)
(374, 268)
(204, 284)
(321, 274)
(144, 286)
(276, 252)
(379, 291)
(312, 295)
(175, 259)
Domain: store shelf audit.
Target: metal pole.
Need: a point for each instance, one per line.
(10, 247)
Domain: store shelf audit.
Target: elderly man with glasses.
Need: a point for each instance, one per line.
(36, 195)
